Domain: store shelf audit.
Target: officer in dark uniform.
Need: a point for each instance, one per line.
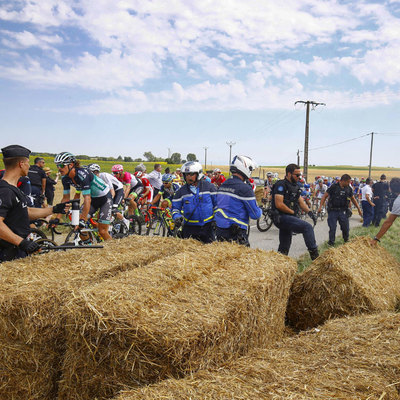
(14, 211)
(339, 195)
(37, 176)
(286, 205)
(381, 190)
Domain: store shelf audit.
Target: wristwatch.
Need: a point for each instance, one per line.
(375, 238)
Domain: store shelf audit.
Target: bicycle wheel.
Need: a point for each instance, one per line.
(74, 237)
(36, 234)
(135, 225)
(264, 222)
(156, 228)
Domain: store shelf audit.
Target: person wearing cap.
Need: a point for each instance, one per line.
(50, 183)
(37, 176)
(380, 191)
(15, 215)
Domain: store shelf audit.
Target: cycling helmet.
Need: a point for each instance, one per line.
(243, 165)
(270, 174)
(140, 167)
(117, 168)
(94, 167)
(217, 170)
(138, 174)
(320, 180)
(192, 166)
(64, 158)
(167, 178)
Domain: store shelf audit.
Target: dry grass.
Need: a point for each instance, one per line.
(351, 279)
(175, 316)
(34, 291)
(349, 358)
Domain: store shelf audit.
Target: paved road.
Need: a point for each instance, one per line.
(270, 240)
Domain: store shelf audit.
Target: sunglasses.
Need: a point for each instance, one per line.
(298, 175)
(60, 165)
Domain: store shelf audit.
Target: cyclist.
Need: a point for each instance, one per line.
(236, 203)
(167, 191)
(147, 195)
(268, 185)
(116, 190)
(196, 200)
(96, 193)
(319, 192)
(218, 178)
(132, 187)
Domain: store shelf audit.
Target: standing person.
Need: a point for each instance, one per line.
(394, 213)
(380, 190)
(236, 203)
(339, 195)
(37, 176)
(194, 203)
(286, 205)
(50, 186)
(178, 177)
(14, 211)
(155, 179)
(218, 178)
(366, 202)
(96, 193)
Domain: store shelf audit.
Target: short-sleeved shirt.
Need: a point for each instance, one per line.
(111, 181)
(366, 190)
(14, 209)
(396, 206)
(339, 197)
(36, 174)
(86, 182)
(290, 192)
(380, 189)
(168, 193)
(147, 185)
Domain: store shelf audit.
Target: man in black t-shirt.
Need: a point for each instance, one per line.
(380, 190)
(37, 176)
(286, 205)
(339, 196)
(14, 211)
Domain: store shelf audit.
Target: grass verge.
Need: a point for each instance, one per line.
(390, 242)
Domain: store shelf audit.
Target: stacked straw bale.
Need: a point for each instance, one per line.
(177, 315)
(351, 279)
(32, 296)
(349, 358)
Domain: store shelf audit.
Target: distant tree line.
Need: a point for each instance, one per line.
(175, 158)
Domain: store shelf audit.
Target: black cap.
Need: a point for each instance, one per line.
(15, 150)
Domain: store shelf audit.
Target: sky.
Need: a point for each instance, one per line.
(112, 78)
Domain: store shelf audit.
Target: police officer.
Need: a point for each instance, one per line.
(286, 205)
(14, 211)
(194, 203)
(37, 176)
(339, 195)
(236, 203)
(380, 190)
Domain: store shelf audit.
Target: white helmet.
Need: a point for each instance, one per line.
(64, 158)
(94, 167)
(192, 166)
(140, 167)
(243, 165)
(216, 170)
(270, 174)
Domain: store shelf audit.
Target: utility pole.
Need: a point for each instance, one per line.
(370, 154)
(205, 157)
(169, 152)
(313, 104)
(298, 157)
(230, 144)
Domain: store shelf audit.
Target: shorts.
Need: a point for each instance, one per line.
(104, 205)
(119, 195)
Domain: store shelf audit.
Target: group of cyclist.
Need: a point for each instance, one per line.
(206, 206)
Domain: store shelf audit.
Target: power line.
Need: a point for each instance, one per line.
(335, 144)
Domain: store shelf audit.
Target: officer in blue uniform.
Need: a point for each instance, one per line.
(286, 205)
(236, 203)
(194, 203)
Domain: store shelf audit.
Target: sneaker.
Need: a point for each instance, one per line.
(126, 223)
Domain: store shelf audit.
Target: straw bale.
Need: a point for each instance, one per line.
(178, 315)
(348, 280)
(348, 358)
(33, 292)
